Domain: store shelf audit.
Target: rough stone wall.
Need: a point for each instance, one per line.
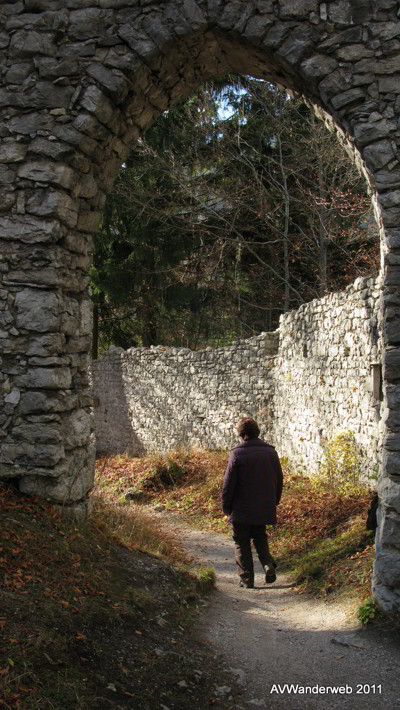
(307, 382)
(80, 80)
(328, 363)
(159, 398)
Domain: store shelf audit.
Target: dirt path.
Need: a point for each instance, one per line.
(271, 636)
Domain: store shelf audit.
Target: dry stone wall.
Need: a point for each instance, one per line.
(328, 377)
(79, 81)
(160, 398)
(306, 383)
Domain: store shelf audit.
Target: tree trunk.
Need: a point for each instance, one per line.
(95, 337)
(323, 232)
(286, 202)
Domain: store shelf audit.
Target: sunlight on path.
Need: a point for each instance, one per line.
(283, 650)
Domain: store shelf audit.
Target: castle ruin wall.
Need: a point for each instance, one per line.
(314, 378)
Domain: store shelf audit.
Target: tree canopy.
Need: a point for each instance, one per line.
(237, 205)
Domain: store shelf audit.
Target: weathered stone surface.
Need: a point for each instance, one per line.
(257, 26)
(368, 132)
(18, 73)
(301, 8)
(337, 39)
(50, 148)
(96, 102)
(392, 363)
(390, 529)
(340, 12)
(81, 80)
(387, 569)
(54, 68)
(89, 221)
(389, 493)
(53, 203)
(37, 433)
(39, 311)
(13, 397)
(114, 82)
(46, 378)
(354, 52)
(45, 345)
(333, 84)
(389, 84)
(29, 230)
(391, 463)
(7, 200)
(77, 428)
(389, 600)
(47, 455)
(29, 123)
(12, 152)
(7, 175)
(296, 46)
(41, 95)
(39, 402)
(76, 138)
(88, 23)
(393, 237)
(67, 487)
(48, 172)
(318, 66)
(87, 186)
(391, 217)
(350, 96)
(384, 30)
(378, 154)
(26, 43)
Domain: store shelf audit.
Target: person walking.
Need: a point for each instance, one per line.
(252, 489)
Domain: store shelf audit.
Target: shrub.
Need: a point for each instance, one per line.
(166, 472)
(367, 611)
(341, 469)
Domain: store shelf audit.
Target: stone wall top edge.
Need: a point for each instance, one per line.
(360, 284)
(160, 350)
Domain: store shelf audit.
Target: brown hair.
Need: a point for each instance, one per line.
(248, 429)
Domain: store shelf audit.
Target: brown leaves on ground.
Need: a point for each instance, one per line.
(34, 543)
(305, 513)
(79, 603)
(77, 612)
(309, 515)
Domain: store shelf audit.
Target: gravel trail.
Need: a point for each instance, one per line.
(280, 649)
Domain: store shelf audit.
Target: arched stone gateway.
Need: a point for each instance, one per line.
(80, 80)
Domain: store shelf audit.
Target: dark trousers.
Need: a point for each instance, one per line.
(243, 534)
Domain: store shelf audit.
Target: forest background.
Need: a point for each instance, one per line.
(235, 207)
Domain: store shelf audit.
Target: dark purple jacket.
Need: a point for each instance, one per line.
(253, 484)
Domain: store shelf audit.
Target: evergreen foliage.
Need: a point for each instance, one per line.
(236, 206)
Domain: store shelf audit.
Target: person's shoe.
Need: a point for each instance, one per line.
(270, 575)
(246, 585)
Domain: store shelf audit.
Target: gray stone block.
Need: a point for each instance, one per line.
(38, 310)
(52, 378)
(53, 203)
(48, 172)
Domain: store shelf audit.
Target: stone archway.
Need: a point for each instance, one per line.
(81, 80)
